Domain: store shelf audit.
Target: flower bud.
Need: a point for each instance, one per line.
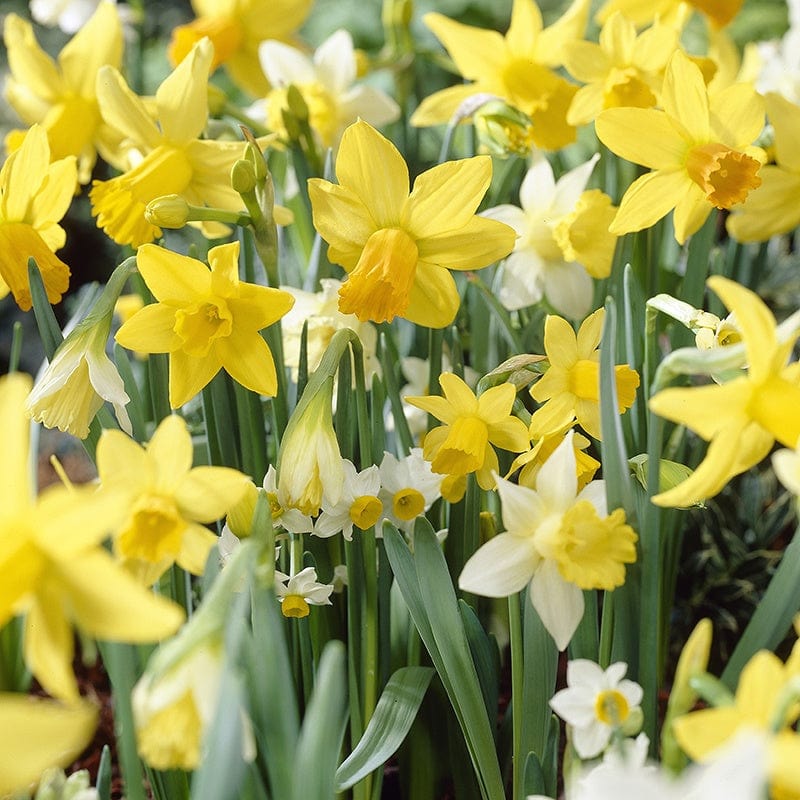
(167, 211)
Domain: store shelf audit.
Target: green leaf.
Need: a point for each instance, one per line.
(395, 713)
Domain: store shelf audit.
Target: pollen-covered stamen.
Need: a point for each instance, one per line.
(379, 287)
(464, 449)
(365, 511)
(726, 176)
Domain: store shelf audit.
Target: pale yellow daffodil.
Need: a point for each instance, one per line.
(519, 67)
(673, 12)
(164, 157)
(570, 389)
(698, 148)
(34, 196)
(206, 319)
(473, 426)
(61, 95)
(398, 247)
(774, 207)
(36, 734)
(743, 417)
(237, 28)
(54, 566)
(164, 500)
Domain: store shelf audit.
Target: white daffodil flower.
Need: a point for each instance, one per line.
(290, 519)
(297, 592)
(358, 504)
(408, 488)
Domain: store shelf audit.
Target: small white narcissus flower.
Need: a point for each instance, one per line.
(596, 703)
(408, 488)
(358, 505)
(298, 592)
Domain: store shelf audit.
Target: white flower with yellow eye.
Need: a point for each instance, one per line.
(358, 505)
(297, 592)
(408, 488)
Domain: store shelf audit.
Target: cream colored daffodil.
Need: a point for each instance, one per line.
(622, 69)
(236, 28)
(165, 502)
(473, 426)
(563, 240)
(398, 247)
(570, 389)
(61, 95)
(325, 82)
(519, 67)
(743, 417)
(206, 319)
(34, 196)
(557, 541)
(774, 207)
(698, 150)
(166, 156)
(55, 569)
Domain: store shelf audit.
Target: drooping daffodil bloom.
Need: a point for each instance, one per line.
(206, 319)
(325, 82)
(698, 148)
(563, 240)
(743, 417)
(557, 541)
(55, 569)
(34, 196)
(398, 247)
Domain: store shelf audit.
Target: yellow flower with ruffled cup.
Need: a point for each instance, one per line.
(473, 426)
(398, 247)
(206, 319)
(34, 196)
(519, 67)
(54, 566)
(698, 150)
(673, 12)
(570, 389)
(61, 94)
(165, 501)
(743, 417)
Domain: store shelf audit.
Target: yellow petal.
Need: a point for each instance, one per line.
(759, 688)
(15, 488)
(785, 119)
(55, 196)
(494, 405)
(150, 330)
(475, 51)
(480, 242)
(123, 462)
(170, 449)
(433, 299)
(458, 394)
(560, 344)
(684, 96)
(702, 732)
(23, 173)
(207, 493)
(524, 28)
(29, 64)
(440, 106)
(189, 374)
(257, 307)
(770, 210)
(123, 110)
(171, 277)
(648, 199)
(737, 115)
(195, 547)
(22, 564)
(691, 211)
(246, 357)
(774, 406)
(642, 135)
(568, 27)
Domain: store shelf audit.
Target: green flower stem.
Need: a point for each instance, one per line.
(16, 347)
(517, 682)
(389, 359)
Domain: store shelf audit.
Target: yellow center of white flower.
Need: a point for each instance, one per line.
(611, 707)
(726, 176)
(407, 504)
(154, 530)
(200, 324)
(294, 605)
(365, 511)
(379, 287)
(464, 449)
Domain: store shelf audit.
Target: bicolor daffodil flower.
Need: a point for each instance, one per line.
(743, 417)
(297, 592)
(699, 150)
(398, 247)
(358, 505)
(206, 319)
(408, 488)
(557, 541)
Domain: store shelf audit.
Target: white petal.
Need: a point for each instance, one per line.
(569, 288)
(369, 103)
(575, 706)
(538, 189)
(591, 740)
(571, 186)
(522, 508)
(283, 64)
(500, 568)
(335, 60)
(522, 277)
(557, 480)
(559, 604)
(615, 673)
(595, 493)
(582, 672)
(512, 216)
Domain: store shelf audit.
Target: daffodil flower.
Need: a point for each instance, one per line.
(61, 95)
(743, 417)
(297, 592)
(519, 67)
(164, 499)
(473, 426)
(325, 82)
(206, 319)
(408, 488)
(34, 196)
(358, 503)
(54, 566)
(396, 247)
(698, 148)
(570, 389)
(557, 541)
(672, 12)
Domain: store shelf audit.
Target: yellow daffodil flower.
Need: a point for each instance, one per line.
(36, 734)
(206, 319)
(34, 196)
(398, 247)
(166, 157)
(54, 566)
(557, 540)
(463, 445)
(622, 69)
(763, 704)
(743, 417)
(570, 389)
(164, 499)
(773, 208)
(698, 149)
(518, 67)
(673, 12)
(61, 95)
(236, 28)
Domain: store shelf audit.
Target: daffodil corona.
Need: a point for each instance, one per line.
(397, 247)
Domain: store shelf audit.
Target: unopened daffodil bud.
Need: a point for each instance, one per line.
(503, 130)
(243, 176)
(167, 211)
